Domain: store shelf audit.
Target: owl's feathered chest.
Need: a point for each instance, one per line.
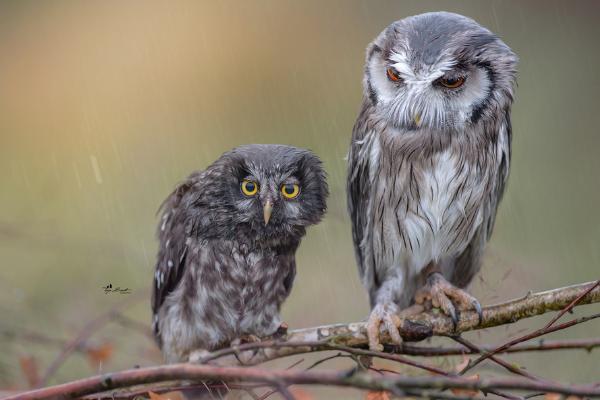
(254, 273)
(229, 289)
(427, 201)
(236, 288)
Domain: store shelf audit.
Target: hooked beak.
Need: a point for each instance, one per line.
(267, 209)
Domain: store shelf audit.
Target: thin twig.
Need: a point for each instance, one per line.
(267, 394)
(569, 307)
(529, 336)
(497, 360)
(285, 392)
(132, 394)
(324, 360)
(543, 345)
(391, 357)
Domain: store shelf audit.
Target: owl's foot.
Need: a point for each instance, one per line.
(245, 339)
(411, 311)
(448, 297)
(385, 314)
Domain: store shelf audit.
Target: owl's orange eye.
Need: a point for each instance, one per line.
(393, 75)
(249, 188)
(452, 83)
(290, 190)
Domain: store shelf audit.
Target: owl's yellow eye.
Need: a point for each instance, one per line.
(249, 188)
(393, 75)
(452, 83)
(290, 190)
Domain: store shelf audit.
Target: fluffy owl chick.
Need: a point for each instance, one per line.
(428, 162)
(228, 238)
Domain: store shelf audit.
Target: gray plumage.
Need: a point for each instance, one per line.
(222, 271)
(428, 161)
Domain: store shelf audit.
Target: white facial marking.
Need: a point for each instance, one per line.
(476, 89)
(417, 100)
(386, 90)
(428, 75)
(402, 65)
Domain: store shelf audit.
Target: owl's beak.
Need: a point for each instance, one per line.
(417, 119)
(267, 210)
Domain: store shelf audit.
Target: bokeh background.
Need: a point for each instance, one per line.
(106, 105)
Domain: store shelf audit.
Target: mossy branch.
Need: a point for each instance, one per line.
(416, 328)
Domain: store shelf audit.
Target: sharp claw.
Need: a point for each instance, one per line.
(446, 296)
(393, 331)
(479, 311)
(383, 318)
(453, 317)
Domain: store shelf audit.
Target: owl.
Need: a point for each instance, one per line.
(228, 238)
(428, 163)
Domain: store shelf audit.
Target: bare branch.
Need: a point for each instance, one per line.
(396, 384)
(542, 345)
(572, 304)
(532, 335)
(512, 368)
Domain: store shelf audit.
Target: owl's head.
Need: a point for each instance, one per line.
(438, 71)
(274, 190)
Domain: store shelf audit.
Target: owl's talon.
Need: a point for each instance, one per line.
(451, 311)
(479, 311)
(392, 329)
(447, 297)
(244, 339)
(387, 315)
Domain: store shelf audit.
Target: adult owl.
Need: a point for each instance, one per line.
(428, 162)
(228, 238)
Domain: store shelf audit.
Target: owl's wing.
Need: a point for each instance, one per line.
(358, 188)
(467, 264)
(173, 235)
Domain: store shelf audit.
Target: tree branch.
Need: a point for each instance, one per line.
(415, 328)
(397, 384)
(542, 345)
(546, 329)
(352, 339)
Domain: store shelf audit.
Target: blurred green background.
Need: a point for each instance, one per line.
(106, 105)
